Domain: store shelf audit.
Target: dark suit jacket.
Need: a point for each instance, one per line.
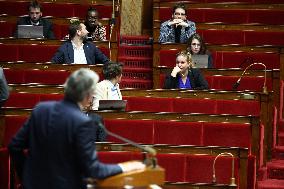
(195, 76)
(65, 54)
(47, 26)
(60, 140)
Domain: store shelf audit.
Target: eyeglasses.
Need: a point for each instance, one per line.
(179, 14)
(195, 44)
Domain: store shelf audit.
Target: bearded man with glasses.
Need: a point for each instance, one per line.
(178, 29)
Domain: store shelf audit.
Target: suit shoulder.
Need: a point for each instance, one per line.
(23, 20)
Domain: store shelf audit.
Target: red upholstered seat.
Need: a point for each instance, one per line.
(22, 100)
(149, 104)
(47, 97)
(238, 107)
(14, 76)
(264, 38)
(12, 124)
(237, 59)
(118, 157)
(226, 36)
(251, 83)
(44, 52)
(174, 165)
(9, 52)
(199, 169)
(227, 134)
(270, 17)
(4, 169)
(140, 131)
(56, 9)
(60, 31)
(177, 133)
(46, 76)
(16, 8)
(9, 29)
(191, 105)
(168, 57)
(226, 16)
(165, 13)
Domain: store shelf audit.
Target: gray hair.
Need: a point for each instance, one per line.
(80, 83)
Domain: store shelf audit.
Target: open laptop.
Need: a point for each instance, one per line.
(200, 60)
(30, 31)
(112, 105)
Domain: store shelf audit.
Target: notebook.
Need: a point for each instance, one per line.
(30, 31)
(200, 60)
(112, 104)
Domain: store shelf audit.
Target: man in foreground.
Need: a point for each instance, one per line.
(60, 140)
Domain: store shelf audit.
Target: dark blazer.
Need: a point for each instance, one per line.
(60, 140)
(47, 26)
(65, 54)
(195, 76)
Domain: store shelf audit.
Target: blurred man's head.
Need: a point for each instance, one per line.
(35, 11)
(80, 86)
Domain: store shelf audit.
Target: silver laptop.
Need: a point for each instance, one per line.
(112, 104)
(30, 31)
(200, 60)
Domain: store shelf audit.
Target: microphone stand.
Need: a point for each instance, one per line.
(151, 151)
(264, 89)
(232, 179)
(112, 23)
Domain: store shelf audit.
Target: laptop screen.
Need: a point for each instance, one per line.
(30, 31)
(200, 60)
(112, 105)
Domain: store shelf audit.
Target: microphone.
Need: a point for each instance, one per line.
(264, 89)
(232, 179)
(151, 151)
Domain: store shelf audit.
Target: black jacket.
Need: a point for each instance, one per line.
(197, 81)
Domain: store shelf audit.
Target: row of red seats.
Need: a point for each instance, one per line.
(223, 131)
(241, 37)
(230, 16)
(186, 167)
(227, 1)
(26, 52)
(207, 106)
(219, 82)
(181, 133)
(228, 59)
(60, 31)
(64, 10)
(58, 77)
(161, 132)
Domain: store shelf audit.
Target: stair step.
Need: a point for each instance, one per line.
(270, 184)
(136, 62)
(278, 152)
(275, 169)
(136, 40)
(135, 51)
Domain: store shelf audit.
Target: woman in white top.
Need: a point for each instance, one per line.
(108, 89)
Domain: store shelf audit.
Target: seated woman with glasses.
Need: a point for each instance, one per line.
(184, 76)
(178, 29)
(196, 46)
